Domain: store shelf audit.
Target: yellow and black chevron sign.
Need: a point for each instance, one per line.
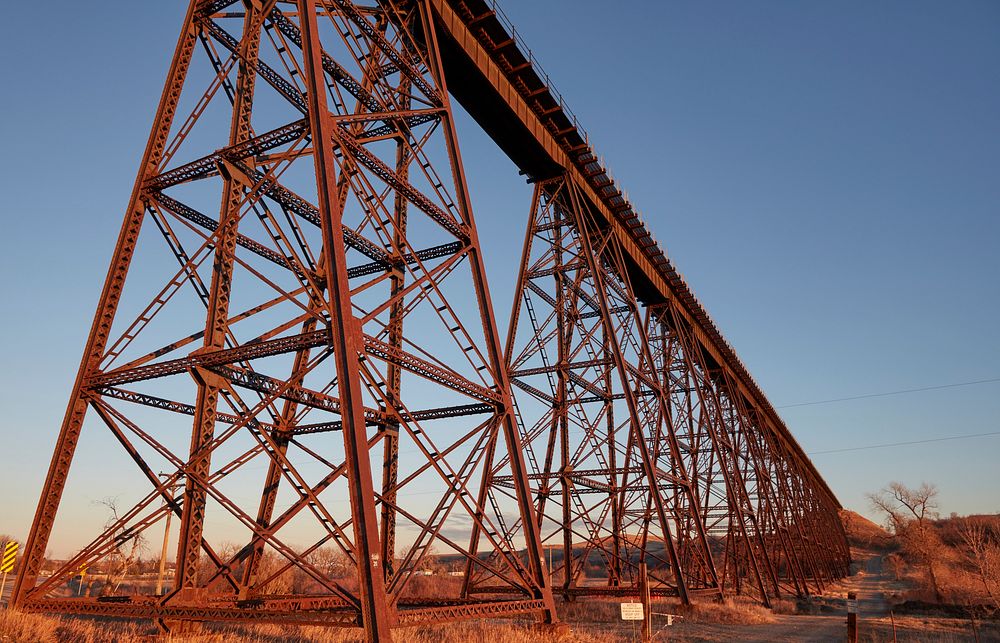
(9, 556)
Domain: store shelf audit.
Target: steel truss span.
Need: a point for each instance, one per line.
(295, 357)
(639, 449)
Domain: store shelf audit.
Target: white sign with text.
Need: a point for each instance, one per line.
(632, 611)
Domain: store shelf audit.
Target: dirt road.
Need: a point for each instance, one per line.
(874, 587)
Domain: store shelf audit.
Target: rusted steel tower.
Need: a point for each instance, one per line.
(296, 327)
(641, 449)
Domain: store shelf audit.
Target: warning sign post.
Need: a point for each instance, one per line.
(632, 612)
(7, 559)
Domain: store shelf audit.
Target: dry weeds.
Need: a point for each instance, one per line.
(17, 627)
(732, 611)
(592, 621)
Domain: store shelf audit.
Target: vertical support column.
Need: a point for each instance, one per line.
(69, 433)
(269, 493)
(593, 264)
(821, 546)
(532, 535)
(751, 432)
(765, 452)
(646, 358)
(347, 341)
(217, 320)
(678, 414)
(560, 421)
(617, 487)
(731, 433)
(390, 460)
(522, 277)
(714, 422)
(803, 526)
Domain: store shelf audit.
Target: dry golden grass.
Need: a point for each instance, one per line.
(928, 630)
(785, 606)
(732, 611)
(589, 611)
(592, 621)
(461, 632)
(18, 627)
(27, 627)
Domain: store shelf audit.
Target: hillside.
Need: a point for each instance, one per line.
(862, 532)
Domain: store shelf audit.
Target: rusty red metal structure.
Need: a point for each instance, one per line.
(296, 326)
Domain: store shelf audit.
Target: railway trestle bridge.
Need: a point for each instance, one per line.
(296, 331)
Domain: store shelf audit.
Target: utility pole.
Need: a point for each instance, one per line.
(166, 540)
(550, 566)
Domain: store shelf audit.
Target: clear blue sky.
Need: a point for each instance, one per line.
(826, 176)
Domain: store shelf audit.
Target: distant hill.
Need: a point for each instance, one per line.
(950, 529)
(862, 532)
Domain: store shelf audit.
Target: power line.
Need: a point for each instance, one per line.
(909, 390)
(898, 444)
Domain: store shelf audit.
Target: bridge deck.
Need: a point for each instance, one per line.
(496, 79)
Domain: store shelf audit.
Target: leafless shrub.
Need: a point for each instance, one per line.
(129, 545)
(983, 553)
(895, 565)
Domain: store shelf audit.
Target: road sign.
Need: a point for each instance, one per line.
(9, 556)
(632, 611)
(852, 606)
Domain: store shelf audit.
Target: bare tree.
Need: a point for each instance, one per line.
(423, 559)
(331, 561)
(129, 545)
(984, 554)
(909, 514)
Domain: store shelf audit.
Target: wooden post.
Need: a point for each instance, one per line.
(893, 620)
(647, 614)
(163, 555)
(852, 617)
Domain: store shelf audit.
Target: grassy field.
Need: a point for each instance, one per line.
(589, 621)
(892, 587)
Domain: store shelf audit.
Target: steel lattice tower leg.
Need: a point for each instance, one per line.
(577, 347)
(303, 340)
(326, 235)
